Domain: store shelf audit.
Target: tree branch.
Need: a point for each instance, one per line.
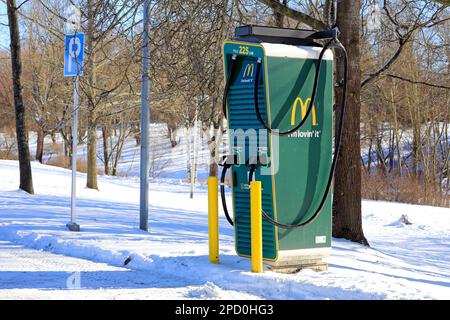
(294, 14)
(402, 39)
(418, 82)
(386, 66)
(20, 5)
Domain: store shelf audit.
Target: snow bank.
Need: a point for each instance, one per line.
(404, 262)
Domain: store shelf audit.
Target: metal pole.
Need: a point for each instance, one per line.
(145, 118)
(73, 226)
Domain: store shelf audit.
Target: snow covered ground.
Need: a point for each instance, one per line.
(168, 162)
(37, 274)
(118, 261)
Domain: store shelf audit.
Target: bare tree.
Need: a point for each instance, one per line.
(347, 219)
(26, 179)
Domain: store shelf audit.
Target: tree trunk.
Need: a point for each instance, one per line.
(91, 121)
(214, 142)
(197, 144)
(211, 140)
(347, 221)
(106, 135)
(194, 156)
(137, 135)
(26, 179)
(171, 134)
(369, 158)
(119, 148)
(92, 153)
(66, 149)
(279, 18)
(40, 145)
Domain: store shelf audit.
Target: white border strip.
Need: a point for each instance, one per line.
(326, 251)
(298, 52)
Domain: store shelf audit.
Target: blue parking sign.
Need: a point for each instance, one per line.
(73, 55)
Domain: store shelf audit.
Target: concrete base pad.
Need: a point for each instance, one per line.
(73, 226)
(295, 269)
(292, 261)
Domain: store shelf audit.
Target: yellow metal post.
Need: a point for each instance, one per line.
(256, 226)
(213, 219)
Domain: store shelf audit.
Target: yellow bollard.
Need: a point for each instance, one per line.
(213, 219)
(256, 226)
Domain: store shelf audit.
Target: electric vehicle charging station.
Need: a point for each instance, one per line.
(278, 101)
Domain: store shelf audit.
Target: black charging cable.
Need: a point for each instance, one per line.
(338, 45)
(311, 104)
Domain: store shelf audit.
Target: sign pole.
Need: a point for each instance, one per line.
(145, 118)
(73, 67)
(73, 226)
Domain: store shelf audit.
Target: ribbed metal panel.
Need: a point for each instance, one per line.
(242, 216)
(242, 116)
(241, 107)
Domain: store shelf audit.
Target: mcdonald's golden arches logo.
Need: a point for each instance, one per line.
(304, 107)
(248, 71)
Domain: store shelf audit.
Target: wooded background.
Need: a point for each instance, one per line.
(395, 139)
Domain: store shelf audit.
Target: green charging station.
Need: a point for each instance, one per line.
(273, 72)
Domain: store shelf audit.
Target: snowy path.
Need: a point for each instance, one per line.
(33, 274)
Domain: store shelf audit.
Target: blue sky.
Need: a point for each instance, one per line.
(4, 32)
